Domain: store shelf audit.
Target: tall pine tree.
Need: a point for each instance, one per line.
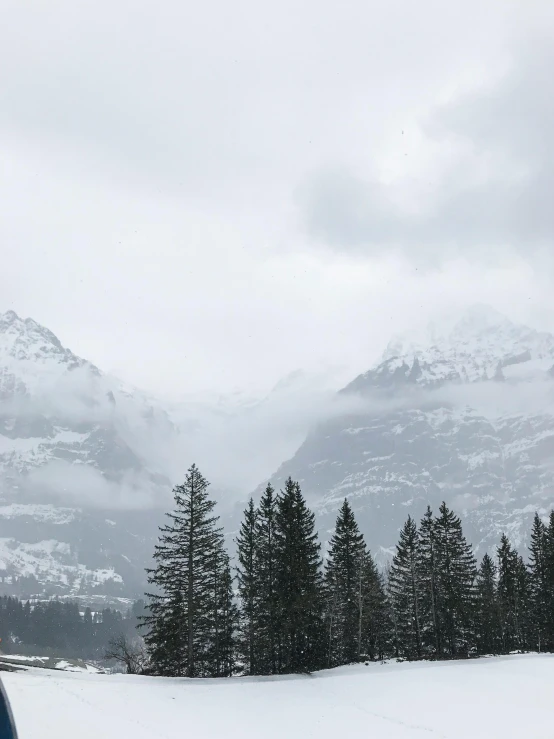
(298, 582)
(513, 597)
(182, 623)
(456, 575)
(248, 585)
(268, 609)
(344, 589)
(540, 592)
(432, 631)
(487, 625)
(221, 660)
(405, 589)
(375, 618)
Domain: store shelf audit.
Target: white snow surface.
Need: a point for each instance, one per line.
(38, 512)
(504, 698)
(50, 561)
(474, 347)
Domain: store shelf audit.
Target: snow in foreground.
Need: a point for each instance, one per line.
(488, 698)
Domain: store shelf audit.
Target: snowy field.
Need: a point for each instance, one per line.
(510, 697)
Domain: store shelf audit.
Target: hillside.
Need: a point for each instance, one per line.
(83, 461)
(465, 416)
(392, 701)
(87, 463)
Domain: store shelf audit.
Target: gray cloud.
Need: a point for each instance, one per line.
(84, 486)
(194, 99)
(237, 447)
(237, 443)
(270, 431)
(495, 194)
(149, 162)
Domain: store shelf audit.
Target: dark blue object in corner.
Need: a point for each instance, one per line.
(7, 726)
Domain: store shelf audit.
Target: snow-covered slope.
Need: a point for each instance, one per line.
(87, 462)
(477, 347)
(465, 416)
(498, 698)
(82, 456)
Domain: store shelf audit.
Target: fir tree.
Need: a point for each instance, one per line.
(456, 574)
(224, 618)
(248, 585)
(344, 589)
(298, 583)
(181, 629)
(268, 611)
(549, 567)
(540, 593)
(389, 594)
(525, 605)
(375, 621)
(488, 627)
(432, 636)
(513, 597)
(405, 592)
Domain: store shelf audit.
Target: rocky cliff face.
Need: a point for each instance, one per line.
(465, 416)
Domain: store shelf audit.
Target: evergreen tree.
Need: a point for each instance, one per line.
(549, 567)
(248, 586)
(431, 627)
(181, 628)
(405, 592)
(166, 635)
(525, 605)
(389, 594)
(268, 610)
(344, 589)
(375, 621)
(513, 597)
(540, 593)
(488, 627)
(298, 583)
(456, 574)
(224, 619)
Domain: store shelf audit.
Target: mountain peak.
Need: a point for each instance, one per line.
(27, 339)
(482, 319)
(30, 352)
(468, 349)
(482, 316)
(9, 317)
(481, 332)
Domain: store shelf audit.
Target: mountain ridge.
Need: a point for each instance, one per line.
(78, 449)
(87, 462)
(437, 422)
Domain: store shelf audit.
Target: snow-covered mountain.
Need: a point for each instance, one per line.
(464, 415)
(85, 464)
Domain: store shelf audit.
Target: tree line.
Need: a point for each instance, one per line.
(63, 627)
(285, 608)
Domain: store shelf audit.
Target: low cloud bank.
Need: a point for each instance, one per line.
(237, 448)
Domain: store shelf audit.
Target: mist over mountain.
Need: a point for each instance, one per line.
(463, 412)
(83, 460)
(87, 462)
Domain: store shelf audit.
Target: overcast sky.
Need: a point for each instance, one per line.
(205, 196)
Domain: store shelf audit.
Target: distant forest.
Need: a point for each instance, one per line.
(62, 628)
